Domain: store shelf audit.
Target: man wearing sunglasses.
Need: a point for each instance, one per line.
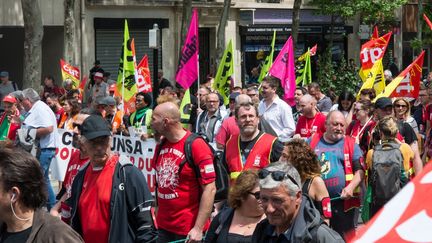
(291, 216)
(342, 170)
(110, 200)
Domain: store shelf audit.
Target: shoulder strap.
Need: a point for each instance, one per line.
(306, 186)
(188, 154)
(224, 215)
(14, 86)
(315, 140)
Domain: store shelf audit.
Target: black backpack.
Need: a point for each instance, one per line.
(387, 165)
(221, 169)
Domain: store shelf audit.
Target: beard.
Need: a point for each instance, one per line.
(248, 130)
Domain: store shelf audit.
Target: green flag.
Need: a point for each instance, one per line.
(306, 72)
(268, 61)
(185, 109)
(225, 70)
(126, 84)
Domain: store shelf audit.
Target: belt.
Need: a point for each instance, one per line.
(42, 149)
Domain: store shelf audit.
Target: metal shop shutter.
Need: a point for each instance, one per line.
(109, 44)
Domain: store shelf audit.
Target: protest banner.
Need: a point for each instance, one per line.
(139, 152)
(222, 81)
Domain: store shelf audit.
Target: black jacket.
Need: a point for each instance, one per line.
(131, 200)
(307, 227)
(219, 227)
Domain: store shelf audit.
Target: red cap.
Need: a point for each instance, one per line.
(10, 99)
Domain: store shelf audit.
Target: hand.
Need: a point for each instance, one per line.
(195, 235)
(144, 136)
(14, 119)
(347, 192)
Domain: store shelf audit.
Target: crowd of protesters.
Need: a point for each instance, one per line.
(296, 173)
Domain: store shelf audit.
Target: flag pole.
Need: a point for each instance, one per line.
(198, 81)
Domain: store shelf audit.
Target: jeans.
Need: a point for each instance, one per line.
(45, 157)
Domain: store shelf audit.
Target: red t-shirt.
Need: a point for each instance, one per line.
(179, 195)
(94, 202)
(228, 128)
(308, 126)
(74, 165)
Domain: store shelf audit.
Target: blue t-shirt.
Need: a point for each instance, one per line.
(331, 158)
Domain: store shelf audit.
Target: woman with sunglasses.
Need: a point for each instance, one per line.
(303, 158)
(402, 108)
(237, 223)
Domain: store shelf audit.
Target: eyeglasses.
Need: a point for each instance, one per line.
(276, 175)
(400, 106)
(255, 194)
(138, 101)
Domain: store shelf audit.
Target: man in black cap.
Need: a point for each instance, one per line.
(371, 135)
(110, 199)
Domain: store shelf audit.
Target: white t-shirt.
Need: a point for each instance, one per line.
(40, 115)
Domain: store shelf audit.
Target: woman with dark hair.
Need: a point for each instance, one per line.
(303, 158)
(345, 101)
(237, 223)
(71, 108)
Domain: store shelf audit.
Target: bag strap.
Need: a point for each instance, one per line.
(188, 154)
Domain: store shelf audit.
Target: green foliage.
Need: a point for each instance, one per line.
(332, 76)
(371, 11)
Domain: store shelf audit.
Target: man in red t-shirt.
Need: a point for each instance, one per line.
(110, 200)
(185, 199)
(311, 121)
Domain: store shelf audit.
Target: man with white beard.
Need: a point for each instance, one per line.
(252, 148)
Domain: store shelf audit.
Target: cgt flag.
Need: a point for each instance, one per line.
(268, 61)
(126, 85)
(70, 72)
(222, 80)
(406, 217)
(187, 71)
(404, 84)
(372, 51)
(376, 80)
(143, 76)
(284, 69)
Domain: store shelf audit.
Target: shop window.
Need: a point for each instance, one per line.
(269, 1)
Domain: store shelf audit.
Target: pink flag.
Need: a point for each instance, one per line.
(283, 68)
(187, 71)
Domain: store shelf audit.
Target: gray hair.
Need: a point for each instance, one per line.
(292, 188)
(31, 94)
(243, 99)
(18, 94)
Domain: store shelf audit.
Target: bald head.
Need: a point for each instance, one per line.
(168, 110)
(308, 98)
(243, 98)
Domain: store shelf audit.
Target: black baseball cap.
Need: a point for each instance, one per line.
(95, 126)
(383, 102)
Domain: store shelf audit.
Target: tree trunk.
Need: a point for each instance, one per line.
(295, 20)
(419, 25)
(33, 34)
(187, 12)
(221, 30)
(70, 51)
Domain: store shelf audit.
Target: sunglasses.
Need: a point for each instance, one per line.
(400, 106)
(276, 175)
(255, 194)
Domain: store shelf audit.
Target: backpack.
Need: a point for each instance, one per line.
(221, 169)
(387, 163)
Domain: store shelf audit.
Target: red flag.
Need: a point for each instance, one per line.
(313, 50)
(143, 76)
(425, 17)
(375, 34)
(372, 51)
(409, 86)
(187, 72)
(405, 218)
